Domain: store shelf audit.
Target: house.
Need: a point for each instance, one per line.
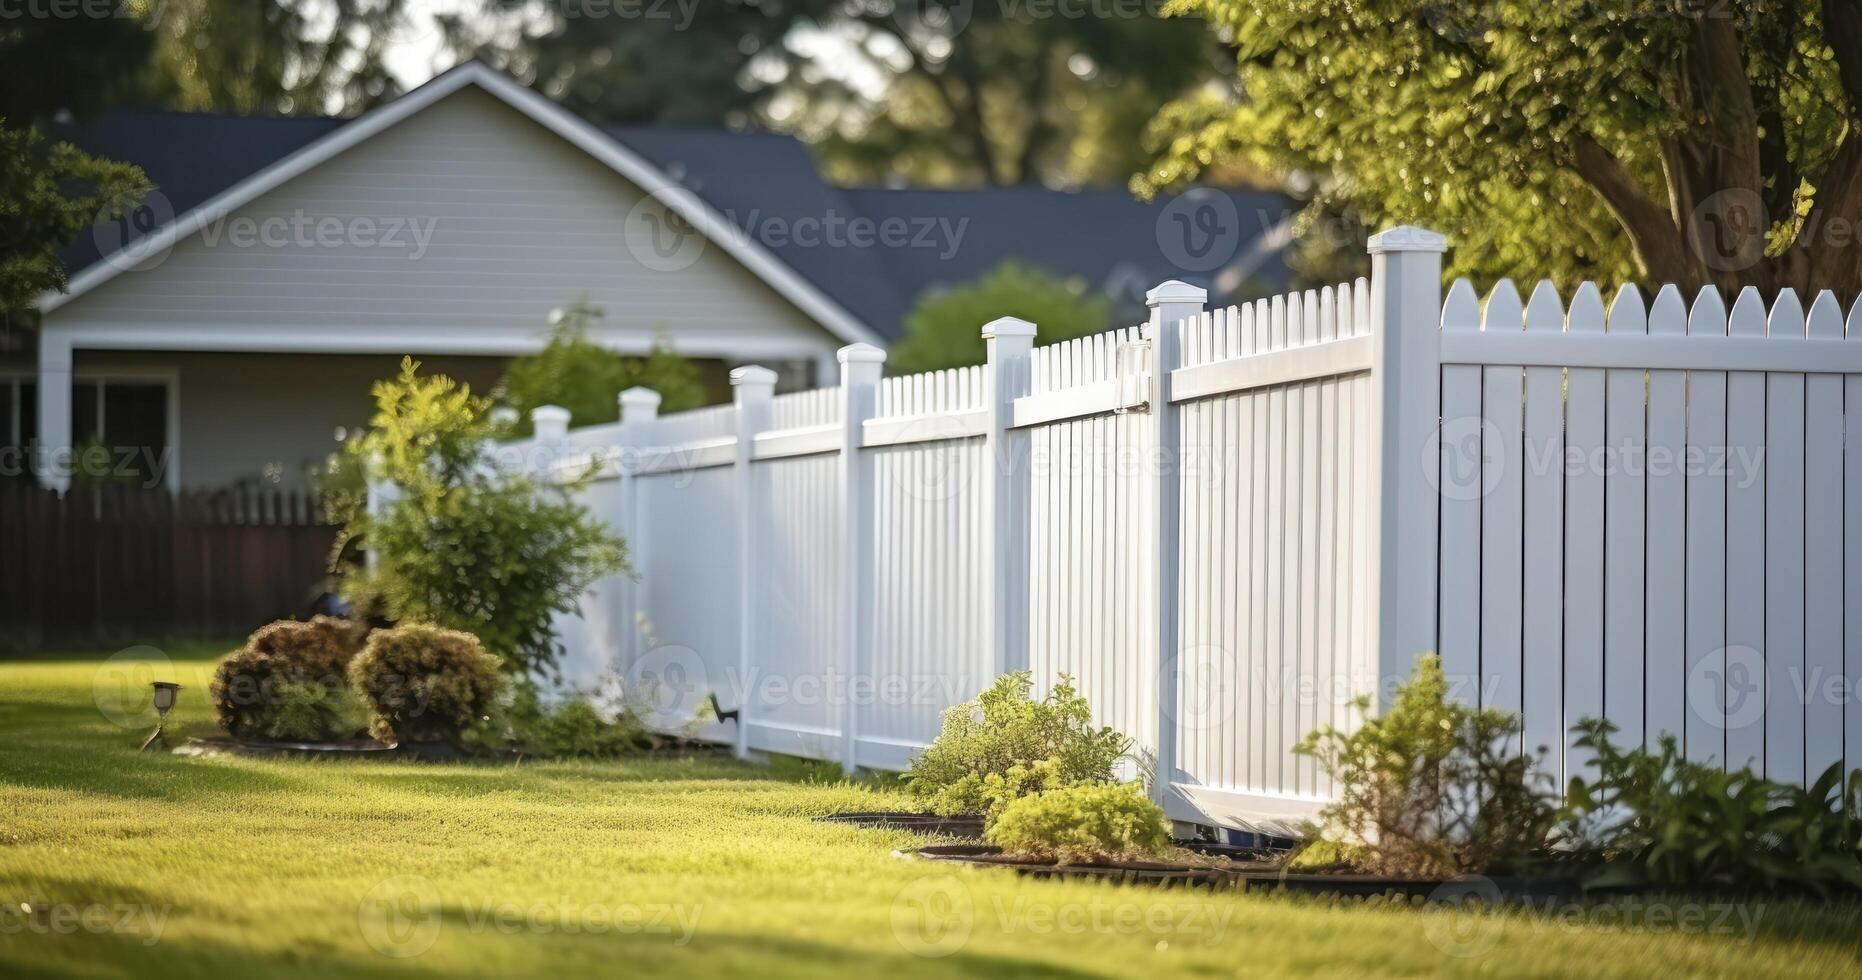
(228, 332)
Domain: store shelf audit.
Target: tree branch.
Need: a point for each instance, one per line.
(1658, 239)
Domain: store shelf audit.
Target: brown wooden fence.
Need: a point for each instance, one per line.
(118, 565)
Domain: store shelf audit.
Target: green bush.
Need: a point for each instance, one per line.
(423, 683)
(1431, 787)
(1004, 745)
(571, 728)
(945, 329)
(264, 689)
(1658, 818)
(1083, 824)
(586, 378)
(467, 544)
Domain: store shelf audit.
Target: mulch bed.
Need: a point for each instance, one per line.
(923, 823)
(348, 749)
(1261, 873)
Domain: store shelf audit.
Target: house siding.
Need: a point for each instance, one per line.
(521, 223)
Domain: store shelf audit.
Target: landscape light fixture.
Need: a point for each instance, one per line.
(165, 692)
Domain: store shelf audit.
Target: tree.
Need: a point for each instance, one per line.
(48, 196)
(587, 378)
(465, 543)
(274, 56)
(945, 329)
(1692, 143)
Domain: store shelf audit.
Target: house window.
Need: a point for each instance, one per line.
(128, 416)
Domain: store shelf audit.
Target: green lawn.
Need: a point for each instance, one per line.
(157, 865)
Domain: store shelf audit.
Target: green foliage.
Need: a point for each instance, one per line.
(1083, 824)
(571, 728)
(314, 712)
(1577, 141)
(586, 378)
(289, 681)
(49, 196)
(1433, 788)
(422, 683)
(468, 544)
(1659, 818)
(945, 329)
(1004, 744)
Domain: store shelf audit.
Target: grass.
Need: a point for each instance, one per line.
(663, 866)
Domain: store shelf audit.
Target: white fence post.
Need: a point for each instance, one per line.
(1170, 302)
(1006, 452)
(1406, 378)
(639, 407)
(754, 386)
(859, 400)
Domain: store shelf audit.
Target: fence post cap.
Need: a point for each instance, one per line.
(503, 415)
(1175, 291)
(639, 396)
(1406, 238)
(549, 413)
(860, 354)
(752, 374)
(1007, 326)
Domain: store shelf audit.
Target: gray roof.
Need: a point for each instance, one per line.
(894, 245)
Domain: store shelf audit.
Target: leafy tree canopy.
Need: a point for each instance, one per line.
(1669, 141)
(49, 195)
(945, 329)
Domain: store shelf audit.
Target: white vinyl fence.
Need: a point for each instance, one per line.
(1228, 524)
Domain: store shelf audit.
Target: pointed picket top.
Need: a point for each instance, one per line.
(1626, 311)
(1826, 317)
(1708, 316)
(1545, 313)
(1748, 317)
(1277, 324)
(1587, 309)
(1854, 330)
(1296, 319)
(1505, 313)
(1668, 314)
(1328, 315)
(1461, 311)
(1787, 315)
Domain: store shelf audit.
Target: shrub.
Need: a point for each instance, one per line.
(587, 378)
(264, 689)
(1658, 818)
(1432, 787)
(574, 727)
(942, 330)
(469, 545)
(1004, 745)
(423, 683)
(1083, 824)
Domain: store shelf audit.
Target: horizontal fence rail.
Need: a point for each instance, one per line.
(1233, 526)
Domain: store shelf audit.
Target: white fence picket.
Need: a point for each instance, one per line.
(1665, 566)
(1745, 671)
(1543, 672)
(1624, 526)
(1503, 467)
(1823, 551)
(1705, 736)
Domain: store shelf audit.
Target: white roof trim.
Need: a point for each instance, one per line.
(714, 227)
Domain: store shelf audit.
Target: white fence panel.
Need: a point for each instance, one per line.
(796, 684)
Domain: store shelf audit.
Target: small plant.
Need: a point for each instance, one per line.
(1657, 818)
(1005, 745)
(289, 681)
(1430, 789)
(423, 683)
(571, 728)
(1085, 824)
